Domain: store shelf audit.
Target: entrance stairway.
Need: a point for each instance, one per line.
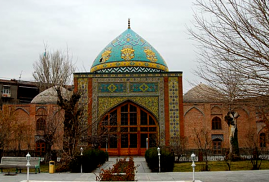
(139, 161)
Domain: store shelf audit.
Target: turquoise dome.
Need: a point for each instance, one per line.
(129, 53)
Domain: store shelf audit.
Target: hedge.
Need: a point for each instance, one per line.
(167, 160)
(90, 160)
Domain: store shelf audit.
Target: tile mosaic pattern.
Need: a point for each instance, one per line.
(137, 78)
(173, 107)
(131, 50)
(124, 75)
(124, 69)
(161, 112)
(152, 101)
(83, 89)
(143, 87)
(107, 103)
(131, 64)
(111, 87)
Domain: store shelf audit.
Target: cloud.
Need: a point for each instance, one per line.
(86, 27)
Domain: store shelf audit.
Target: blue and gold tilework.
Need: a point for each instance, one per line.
(173, 106)
(147, 90)
(129, 49)
(129, 64)
(111, 87)
(107, 103)
(143, 87)
(83, 102)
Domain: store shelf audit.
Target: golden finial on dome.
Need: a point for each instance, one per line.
(129, 23)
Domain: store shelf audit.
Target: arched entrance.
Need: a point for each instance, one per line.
(125, 129)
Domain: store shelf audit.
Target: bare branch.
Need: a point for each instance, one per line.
(54, 68)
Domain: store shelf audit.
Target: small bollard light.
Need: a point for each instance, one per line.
(28, 158)
(81, 154)
(106, 143)
(147, 143)
(193, 166)
(81, 151)
(159, 154)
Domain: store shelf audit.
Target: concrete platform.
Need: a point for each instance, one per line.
(143, 174)
(224, 176)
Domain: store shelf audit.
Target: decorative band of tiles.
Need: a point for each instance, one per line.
(124, 75)
(122, 87)
(143, 87)
(173, 107)
(111, 87)
(129, 64)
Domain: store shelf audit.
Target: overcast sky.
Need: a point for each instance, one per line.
(87, 26)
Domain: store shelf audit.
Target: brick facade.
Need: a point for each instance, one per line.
(200, 115)
(27, 116)
(191, 115)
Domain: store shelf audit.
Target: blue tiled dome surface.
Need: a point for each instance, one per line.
(129, 50)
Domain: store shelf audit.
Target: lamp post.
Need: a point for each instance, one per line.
(81, 154)
(106, 143)
(159, 154)
(193, 166)
(28, 158)
(147, 143)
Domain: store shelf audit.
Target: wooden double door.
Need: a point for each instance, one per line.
(128, 130)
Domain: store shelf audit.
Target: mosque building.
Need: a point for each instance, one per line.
(132, 102)
(133, 95)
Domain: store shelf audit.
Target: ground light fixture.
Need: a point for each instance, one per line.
(28, 158)
(81, 154)
(159, 154)
(106, 143)
(147, 143)
(193, 166)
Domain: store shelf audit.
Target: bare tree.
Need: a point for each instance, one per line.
(233, 36)
(53, 131)
(103, 135)
(256, 152)
(233, 39)
(21, 134)
(178, 145)
(53, 68)
(73, 128)
(203, 142)
(14, 134)
(7, 118)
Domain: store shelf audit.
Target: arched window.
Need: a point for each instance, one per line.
(40, 124)
(216, 123)
(262, 140)
(127, 127)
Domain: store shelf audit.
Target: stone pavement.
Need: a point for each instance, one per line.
(144, 174)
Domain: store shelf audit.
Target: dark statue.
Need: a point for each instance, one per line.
(231, 119)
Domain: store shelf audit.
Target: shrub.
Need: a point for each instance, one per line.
(122, 171)
(90, 160)
(167, 160)
(63, 166)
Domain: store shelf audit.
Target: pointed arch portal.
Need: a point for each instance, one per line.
(125, 129)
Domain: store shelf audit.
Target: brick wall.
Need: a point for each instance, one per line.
(200, 115)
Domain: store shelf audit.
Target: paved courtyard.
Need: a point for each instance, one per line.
(143, 174)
